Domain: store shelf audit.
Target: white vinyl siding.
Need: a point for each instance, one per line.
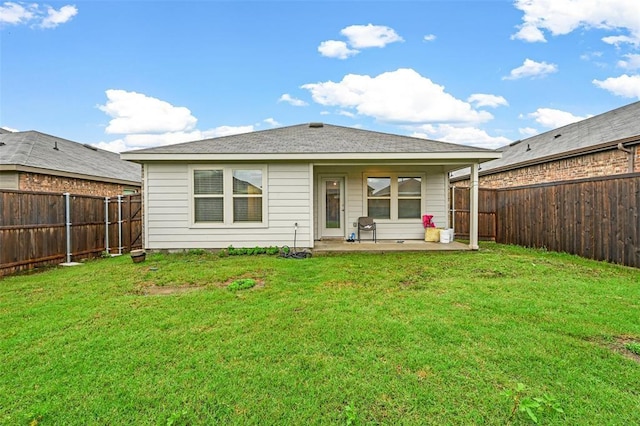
(169, 202)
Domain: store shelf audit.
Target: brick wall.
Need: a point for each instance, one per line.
(606, 163)
(49, 183)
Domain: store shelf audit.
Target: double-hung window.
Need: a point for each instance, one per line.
(409, 197)
(379, 197)
(208, 194)
(394, 196)
(247, 195)
(228, 195)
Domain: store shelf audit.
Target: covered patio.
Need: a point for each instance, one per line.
(342, 246)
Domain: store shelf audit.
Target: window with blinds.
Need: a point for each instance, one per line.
(227, 196)
(208, 189)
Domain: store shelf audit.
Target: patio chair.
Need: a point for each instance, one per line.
(367, 224)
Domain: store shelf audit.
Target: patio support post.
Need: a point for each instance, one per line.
(473, 204)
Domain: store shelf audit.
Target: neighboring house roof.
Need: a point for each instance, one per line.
(593, 134)
(311, 142)
(41, 153)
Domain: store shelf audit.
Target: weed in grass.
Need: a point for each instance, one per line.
(242, 284)
(633, 347)
(177, 418)
(531, 406)
(351, 415)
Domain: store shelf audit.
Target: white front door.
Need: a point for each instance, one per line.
(332, 207)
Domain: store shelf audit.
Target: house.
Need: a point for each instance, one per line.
(602, 145)
(34, 161)
(256, 189)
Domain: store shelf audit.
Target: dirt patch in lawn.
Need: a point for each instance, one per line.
(627, 346)
(158, 290)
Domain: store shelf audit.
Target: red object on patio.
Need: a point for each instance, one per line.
(427, 221)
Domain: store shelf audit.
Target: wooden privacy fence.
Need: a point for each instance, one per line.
(597, 218)
(460, 212)
(39, 228)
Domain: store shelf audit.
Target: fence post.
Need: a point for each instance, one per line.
(68, 224)
(106, 224)
(119, 224)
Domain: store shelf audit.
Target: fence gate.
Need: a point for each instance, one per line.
(460, 212)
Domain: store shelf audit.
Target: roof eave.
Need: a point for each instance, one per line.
(471, 156)
(633, 140)
(50, 172)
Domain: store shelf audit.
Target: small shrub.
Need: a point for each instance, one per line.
(197, 252)
(232, 251)
(242, 284)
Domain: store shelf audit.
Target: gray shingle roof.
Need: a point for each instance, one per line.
(305, 138)
(609, 127)
(35, 149)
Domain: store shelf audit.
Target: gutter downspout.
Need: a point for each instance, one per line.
(631, 156)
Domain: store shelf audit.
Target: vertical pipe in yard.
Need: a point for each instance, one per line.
(119, 224)
(106, 224)
(473, 204)
(67, 214)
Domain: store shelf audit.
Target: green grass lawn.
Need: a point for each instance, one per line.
(394, 338)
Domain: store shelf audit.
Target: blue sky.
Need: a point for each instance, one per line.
(132, 74)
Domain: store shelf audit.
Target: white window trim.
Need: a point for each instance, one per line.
(394, 194)
(228, 197)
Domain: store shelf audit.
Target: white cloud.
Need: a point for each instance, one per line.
(293, 101)
(627, 86)
(226, 131)
(57, 17)
(632, 62)
(553, 118)
(397, 96)
(530, 33)
(561, 17)
(12, 13)
(528, 131)
(363, 36)
(531, 69)
(358, 37)
(471, 136)
(336, 49)
(9, 129)
(148, 140)
(271, 122)
(590, 55)
(133, 112)
(618, 40)
(482, 99)
(347, 114)
(147, 122)
(429, 37)
(16, 14)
